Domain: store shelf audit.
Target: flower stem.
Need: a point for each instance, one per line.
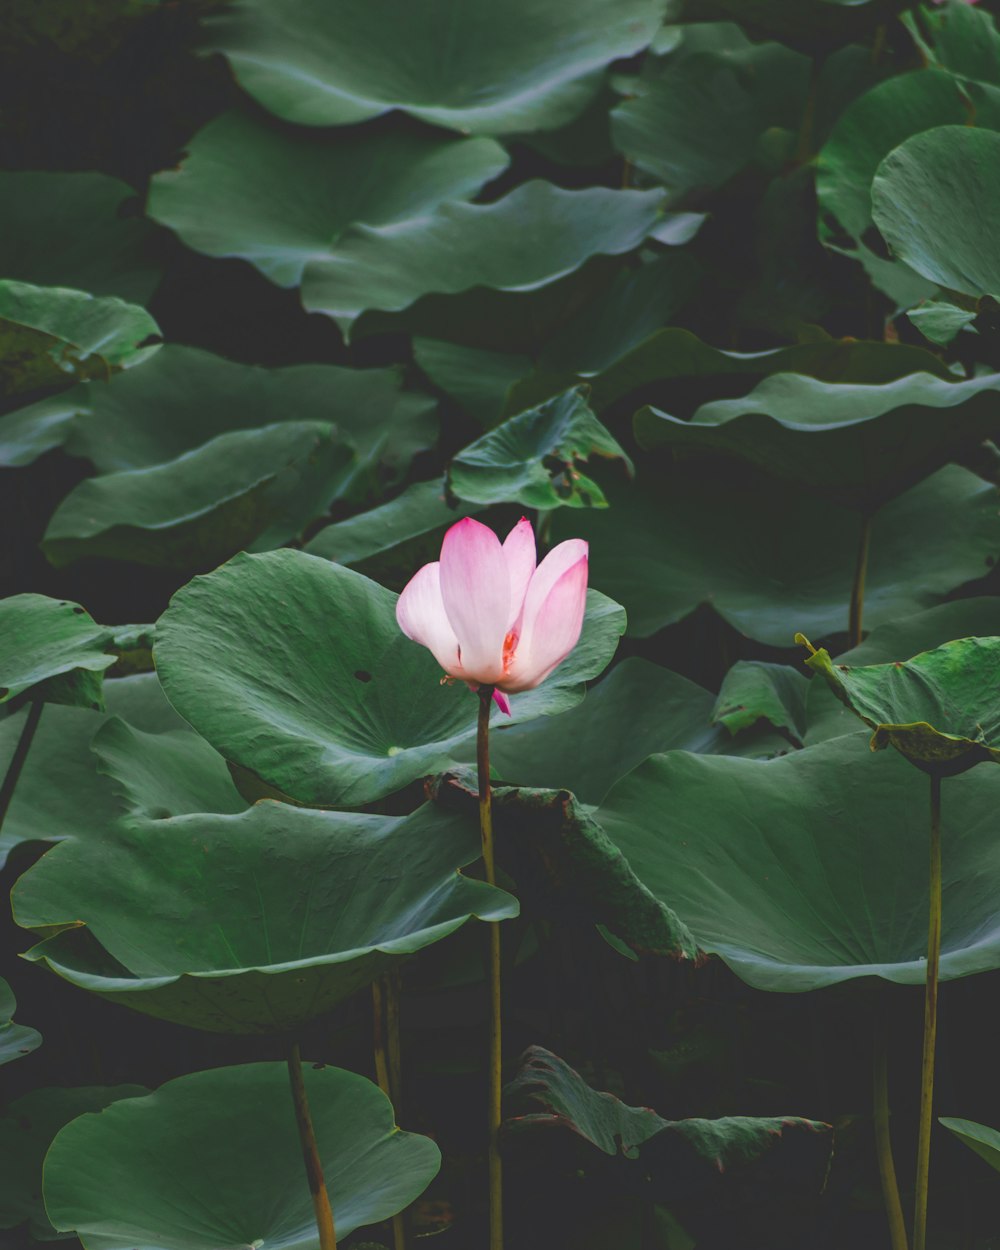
(310, 1152)
(19, 756)
(883, 1137)
(496, 1050)
(385, 1018)
(930, 1023)
(858, 588)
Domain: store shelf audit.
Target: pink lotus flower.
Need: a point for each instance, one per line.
(488, 615)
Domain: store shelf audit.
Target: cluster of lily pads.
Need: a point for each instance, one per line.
(710, 285)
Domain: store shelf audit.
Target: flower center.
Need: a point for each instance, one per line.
(509, 647)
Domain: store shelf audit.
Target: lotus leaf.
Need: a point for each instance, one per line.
(251, 923)
(799, 871)
(522, 66)
(332, 725)
(938, 709)
(213, 1159)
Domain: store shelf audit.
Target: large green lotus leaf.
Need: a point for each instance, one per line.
(51, 336)
(939, 708)
(26, 1132)
(16, 1040)
(164, 774)
(695, 123)
(70, 230)
(754, 690)
(531, 237)
(534, 459)
(866, 132)
(933, 199)
(82, 803)
(213, 1159)
(347, 709)
(183, 396)
(675, 353)
(827, 717)
(984, 1141)
(801, 872)
(279, 198)
(257, 487)
(489, 69)
(638, 710)
(419, 515)
(861, 444)
(45, 643)
(252, 923)
(568, 868)
(550, 1094)
(746, 544)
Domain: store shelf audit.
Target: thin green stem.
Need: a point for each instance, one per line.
(310, 1152)
(930, 1024)
(385, 1016)
(19, 756)
(883, 1136)
(496, 1048)
(858, 588)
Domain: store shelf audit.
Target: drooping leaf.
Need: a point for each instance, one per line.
(566, 1101)
(16, 1040)
(531, 237)
(567, 867)
(799, 871)
(26, 1132)
(256, 922)
(827, 717)
(279, 198)
(213, 1159)
(984, 1141)
(702, 533)
(257, 487)
(753, 690)
(44, 644)
(491, 70)
(348, 709)
(933, 199)
(533, 459)
(861, 444)
(70, 230)
(938, 709)
(638, 710)
(51, 336)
